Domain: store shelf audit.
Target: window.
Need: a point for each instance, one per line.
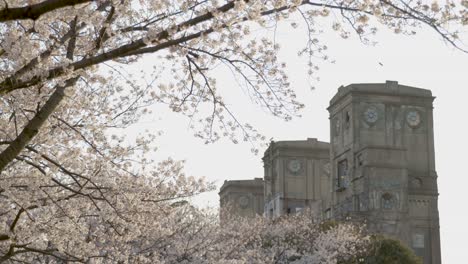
(418, 240)
(347, 120)
(342, 174)
(336, 126)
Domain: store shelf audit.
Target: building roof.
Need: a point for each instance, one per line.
(310, 143)
(255, 183)
(387, 88)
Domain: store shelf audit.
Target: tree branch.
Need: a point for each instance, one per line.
(35, 11)
(33, 126)
(139, 46)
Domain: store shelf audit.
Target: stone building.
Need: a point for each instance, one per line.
(382, 162)
(379, 166)
(244, 197)
(296, 177)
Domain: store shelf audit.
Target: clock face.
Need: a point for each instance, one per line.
(243, 201)
(413, 118)
(294, 166)
(371, 115)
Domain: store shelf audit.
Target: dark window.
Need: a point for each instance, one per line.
(347, 119)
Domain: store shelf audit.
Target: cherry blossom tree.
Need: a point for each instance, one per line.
(291, 239)
(73, 187)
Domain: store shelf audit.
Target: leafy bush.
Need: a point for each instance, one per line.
(385, 250)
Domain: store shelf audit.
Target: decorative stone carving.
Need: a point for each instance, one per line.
(389, 201)
(373, 200)
(416, 182)
(363, 202)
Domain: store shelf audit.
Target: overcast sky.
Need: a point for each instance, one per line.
(421, 61)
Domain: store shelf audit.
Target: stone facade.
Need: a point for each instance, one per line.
(379, 167)
(244, 197)
(295, 177)
(382, 162)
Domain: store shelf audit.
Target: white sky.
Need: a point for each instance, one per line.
(421, 61)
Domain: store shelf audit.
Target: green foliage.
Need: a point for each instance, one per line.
(384, 250)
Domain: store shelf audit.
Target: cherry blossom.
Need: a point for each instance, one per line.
(74, 187)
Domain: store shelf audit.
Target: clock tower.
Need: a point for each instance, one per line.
(382, 162)
(296, 177)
